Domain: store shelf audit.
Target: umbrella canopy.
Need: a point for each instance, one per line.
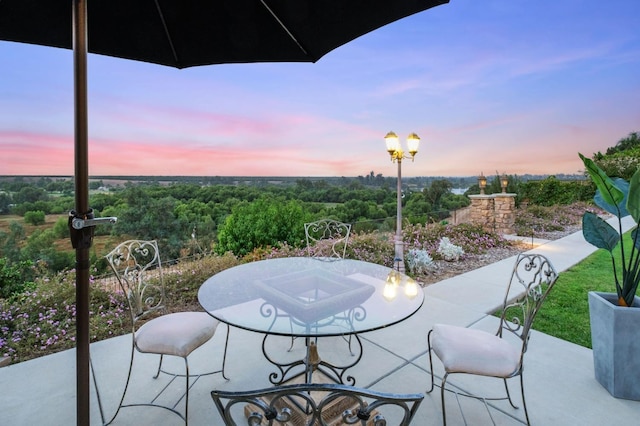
(178, 33)
(185, 33)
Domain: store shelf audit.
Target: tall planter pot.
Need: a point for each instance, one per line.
(615, 339)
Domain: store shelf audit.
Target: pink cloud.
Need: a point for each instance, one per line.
(35, 153)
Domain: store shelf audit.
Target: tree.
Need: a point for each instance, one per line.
(630, 142)
(41, 247)
(417, 209)
(35, 217)
(149, 218)
(263, 222)
(14, 277)
(11, 242)
(30, 194)
(5, 202)
(621, 160)
(197, 219)
(436, 190)
(452, 201)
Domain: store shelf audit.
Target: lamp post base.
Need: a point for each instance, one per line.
(398, 261)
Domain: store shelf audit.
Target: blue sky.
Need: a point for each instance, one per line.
(513, 86)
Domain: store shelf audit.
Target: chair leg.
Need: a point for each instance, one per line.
(444, 380)
(524, 402)
(126, 386)
(95, 385)
(159, 367)
(509, 394)
(186, 400)
(224, 355)
(444, 411)
(430, 361)
(292, 337)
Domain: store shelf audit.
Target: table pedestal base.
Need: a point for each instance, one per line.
(310, 363)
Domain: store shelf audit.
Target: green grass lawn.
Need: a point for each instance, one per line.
(565, 313)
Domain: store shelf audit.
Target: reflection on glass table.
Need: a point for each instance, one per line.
(305, 297)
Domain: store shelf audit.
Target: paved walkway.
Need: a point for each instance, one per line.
(559, 379)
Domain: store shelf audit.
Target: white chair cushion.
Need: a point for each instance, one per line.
(176, 334)
(464, 350)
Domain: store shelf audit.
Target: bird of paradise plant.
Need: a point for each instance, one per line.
(620, 198)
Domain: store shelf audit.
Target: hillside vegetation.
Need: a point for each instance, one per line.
(203, 229)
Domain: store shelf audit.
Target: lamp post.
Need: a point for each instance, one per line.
(397, 155)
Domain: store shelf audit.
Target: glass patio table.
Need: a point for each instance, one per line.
(310, 298)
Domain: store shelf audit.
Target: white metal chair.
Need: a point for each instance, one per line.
(473, 351)
(316, 404)
(137, 266)
(327, 239)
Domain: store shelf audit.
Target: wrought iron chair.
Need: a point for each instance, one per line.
(137, 267)
(327, 239)
(472, 351)
(316, 404)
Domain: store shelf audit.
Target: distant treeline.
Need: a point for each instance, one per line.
(370, 179)
(240, 214)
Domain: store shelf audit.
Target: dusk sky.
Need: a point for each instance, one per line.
(508, 86)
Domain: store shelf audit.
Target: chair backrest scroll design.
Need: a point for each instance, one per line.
(327, 239)
(137, 267)
(316, 404)
(534, 274)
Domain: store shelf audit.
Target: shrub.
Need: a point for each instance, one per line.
(15, 278)
(471, 239)
(263, 222)
(419, 262)
(537, 221)
(374, 247)
(42, 321)
(34, 217)
(551, 191)
(184, 279)
(449, 251)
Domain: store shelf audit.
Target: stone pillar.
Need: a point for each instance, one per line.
(482, 211)
(505, 213)
(494, 212)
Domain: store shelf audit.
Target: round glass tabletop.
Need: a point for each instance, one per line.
(310, 297)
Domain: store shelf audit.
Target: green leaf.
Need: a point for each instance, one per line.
(598, 232)
(609, 191)
(619, 210)
(633, 200)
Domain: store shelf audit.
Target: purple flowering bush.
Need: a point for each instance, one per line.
(378, 247)
(183, 279)
(472, 239)
(539, 221)
(41, 321)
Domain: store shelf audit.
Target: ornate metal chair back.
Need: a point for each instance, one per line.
(316, 404)
(137, 266)
(536, 274)
(327, 239)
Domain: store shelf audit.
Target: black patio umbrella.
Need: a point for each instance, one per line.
(178, 33)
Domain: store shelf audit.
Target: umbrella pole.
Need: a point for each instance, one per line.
(83, 237)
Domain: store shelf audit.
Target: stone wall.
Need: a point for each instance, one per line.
(494, 212)
(459, 216)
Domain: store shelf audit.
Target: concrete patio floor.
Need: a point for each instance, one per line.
(559, 379)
